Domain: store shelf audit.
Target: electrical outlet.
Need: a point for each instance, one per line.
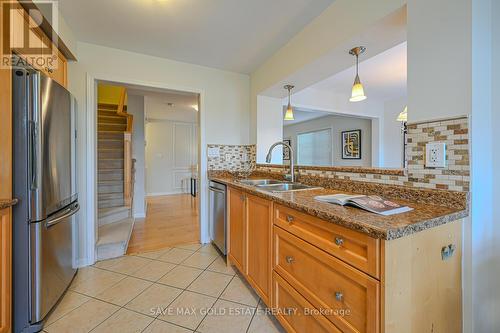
(227, 157)
(435, 155)
(244, 157)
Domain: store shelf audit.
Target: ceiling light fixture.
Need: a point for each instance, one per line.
(289, 109)
(403, 115)
(358, 93)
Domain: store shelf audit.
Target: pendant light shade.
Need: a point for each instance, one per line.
(358, 92)
(289, 109)
(403, 115)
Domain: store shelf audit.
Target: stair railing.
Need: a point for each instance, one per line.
(128, 178)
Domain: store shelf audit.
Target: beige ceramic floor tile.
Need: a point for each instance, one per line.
(176, 256)
(85, 273)
(200, 260)
(180, 276)
(95, 284)
(153, 300)
(208, 248)
(227, 317)
(240, 292)
(83, 318)
(107, 264)
(220, 266)
(188, 310)
(191, 247)
(129, 265)
(160, 326)
(210, 283)
(124, 321)
(153, 254)
(264, 322)
(70, 301)
(154, 270)
(124, 291)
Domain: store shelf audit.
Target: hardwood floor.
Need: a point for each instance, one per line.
(170, 220)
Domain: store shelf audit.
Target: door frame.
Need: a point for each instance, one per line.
(91, 227)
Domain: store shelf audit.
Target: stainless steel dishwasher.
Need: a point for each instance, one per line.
(218, 215)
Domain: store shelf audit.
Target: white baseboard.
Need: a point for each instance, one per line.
(82, 262)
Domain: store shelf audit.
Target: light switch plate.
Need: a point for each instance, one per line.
(435, 155)
(213, 152)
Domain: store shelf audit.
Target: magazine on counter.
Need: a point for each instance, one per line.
(371, 203)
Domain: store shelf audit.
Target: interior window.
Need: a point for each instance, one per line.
(315, 148)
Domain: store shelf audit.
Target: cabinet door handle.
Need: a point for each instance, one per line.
(49, 70)
(289, 259)
(339, 296)
(339, 241)
(242, 197)
(289, 219)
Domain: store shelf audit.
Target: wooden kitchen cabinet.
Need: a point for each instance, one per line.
(5, 270)
(349, 298)
(312, 271)
(50, 61)
(258, 249)
(237, 228)
(250, 237)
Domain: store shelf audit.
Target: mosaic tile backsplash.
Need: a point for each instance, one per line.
(454, 177)
(233, 158)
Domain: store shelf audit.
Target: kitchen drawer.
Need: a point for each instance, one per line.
(295, 313)
(357, 249)
(350, 298)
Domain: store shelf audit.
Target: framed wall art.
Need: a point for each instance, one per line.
(351, 145)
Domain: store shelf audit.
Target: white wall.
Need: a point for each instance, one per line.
(439, 59)
(392, 136)
(337, 124)
(269, 128)
(224, 113)
(135, 107)
(482, 263)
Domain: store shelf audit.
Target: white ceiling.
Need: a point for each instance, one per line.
(383, 76)
(157, 106)
(235, 35)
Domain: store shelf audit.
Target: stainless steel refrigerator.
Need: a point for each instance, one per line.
(44, 142)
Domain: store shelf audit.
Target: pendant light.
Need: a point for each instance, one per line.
(403, 115)
(289, 109)
(358, 93)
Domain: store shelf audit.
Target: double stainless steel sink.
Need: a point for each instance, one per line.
(273, 185)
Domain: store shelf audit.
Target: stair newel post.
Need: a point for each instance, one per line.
(127, 168)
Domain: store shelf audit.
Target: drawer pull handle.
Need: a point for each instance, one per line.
(339, 241)
(289, 259)
(339, 296)
(289, 218)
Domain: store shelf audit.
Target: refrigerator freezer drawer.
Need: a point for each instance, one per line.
(51, 261)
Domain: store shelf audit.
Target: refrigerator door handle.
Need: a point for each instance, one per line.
(33, 155)
(56, 218)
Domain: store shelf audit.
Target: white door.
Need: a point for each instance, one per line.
(171, 153)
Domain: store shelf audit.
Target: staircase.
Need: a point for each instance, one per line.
(114, 204)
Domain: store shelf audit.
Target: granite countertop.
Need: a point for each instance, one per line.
(6, 203)
(422, 217)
